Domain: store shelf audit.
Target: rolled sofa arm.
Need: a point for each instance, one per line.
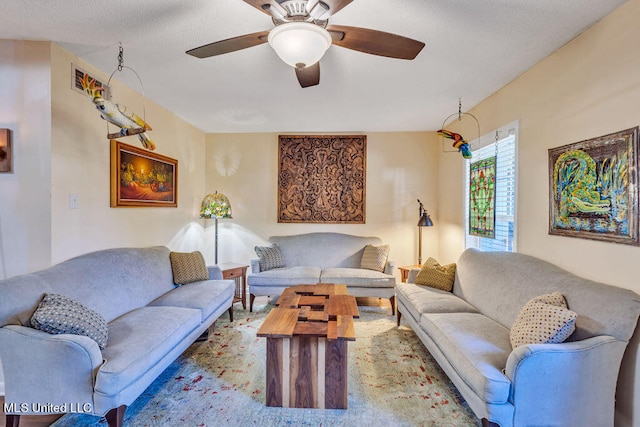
(571, 383)
(389, 267)
(255, 265)
(411, 278)
(215, 272)
(42, 370)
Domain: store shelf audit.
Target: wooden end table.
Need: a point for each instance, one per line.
(237, 272)
(307, 336)
(404, 271)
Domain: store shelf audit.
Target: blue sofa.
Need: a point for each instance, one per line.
(468, 332)
(150, 321)
(323, 257)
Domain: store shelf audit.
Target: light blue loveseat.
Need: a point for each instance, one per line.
(467, 332)
(323, 257)
(151, 322)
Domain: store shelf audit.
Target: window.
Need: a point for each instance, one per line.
(505, 188)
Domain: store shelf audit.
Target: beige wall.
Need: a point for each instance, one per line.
(401, 167)
(25, 206)
(588, 88)
(80, 165)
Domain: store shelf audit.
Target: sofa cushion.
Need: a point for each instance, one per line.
(188, 267)
(374, 257)
(358, 277)
(138, 340)
(270, 257)
(206, 296)
(285, 277)
(58, 314)
(422, 299)
(436, 276)
(476, 347)
(543, 320)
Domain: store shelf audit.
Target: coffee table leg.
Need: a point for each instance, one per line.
(336, 374)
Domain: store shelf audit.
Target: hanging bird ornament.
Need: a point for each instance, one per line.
(458, 142)
(117, 114)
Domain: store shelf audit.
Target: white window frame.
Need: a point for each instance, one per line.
(510, 130)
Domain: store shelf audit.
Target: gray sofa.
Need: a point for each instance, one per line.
(467, 332)
(323, 258)
(150, 321)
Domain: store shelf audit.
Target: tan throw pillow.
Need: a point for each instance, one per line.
(437, 276)
(374, 257)
(543, 320)
(188, 267)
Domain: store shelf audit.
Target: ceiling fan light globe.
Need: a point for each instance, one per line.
(299, 43)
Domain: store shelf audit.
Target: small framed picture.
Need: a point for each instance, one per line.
(5, 151)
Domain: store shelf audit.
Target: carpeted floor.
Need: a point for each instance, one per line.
(393, 381)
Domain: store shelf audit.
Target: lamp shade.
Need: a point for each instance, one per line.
(299, 44)
(425, 220)
(215, 205)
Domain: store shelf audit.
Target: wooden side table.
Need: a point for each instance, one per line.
(237, 272)
(404, 271)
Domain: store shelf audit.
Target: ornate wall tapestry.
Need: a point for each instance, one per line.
(593, 188)
(321, 179)
(482, 198)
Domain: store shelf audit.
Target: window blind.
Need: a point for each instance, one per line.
(505, 191)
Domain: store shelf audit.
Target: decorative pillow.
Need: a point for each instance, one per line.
(374, 257)
(437, 276)
(543, 320)
(58, 314)
(188, 267)
(270, 257)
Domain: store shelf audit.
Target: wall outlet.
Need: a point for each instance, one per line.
(73, 201)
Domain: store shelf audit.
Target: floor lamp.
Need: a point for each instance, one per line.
(215, 206)
(424, 221)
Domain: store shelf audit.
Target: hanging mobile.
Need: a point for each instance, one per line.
(128, 121)
(458, 141)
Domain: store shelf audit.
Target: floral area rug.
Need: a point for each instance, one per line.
(393, 381)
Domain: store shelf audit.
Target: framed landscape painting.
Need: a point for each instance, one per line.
(142, 178)
(593, 188)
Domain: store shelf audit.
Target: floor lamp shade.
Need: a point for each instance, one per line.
(424, 221)
(215, 206)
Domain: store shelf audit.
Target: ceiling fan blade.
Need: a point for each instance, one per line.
(375, 42)
(336, 6)
(259, 3)
(229, 45)
(309, 76)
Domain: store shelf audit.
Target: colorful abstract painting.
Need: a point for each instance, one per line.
(482, 198)
(593, 187)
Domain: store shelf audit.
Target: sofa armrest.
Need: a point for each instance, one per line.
(411, 278)
(48, 369)
(255, 265)
(215, 272)
(571, 383)
(390, 267)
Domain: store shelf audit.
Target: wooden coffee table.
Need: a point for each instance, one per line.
(307, 336)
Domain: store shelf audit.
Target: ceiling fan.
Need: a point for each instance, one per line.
(302, 35)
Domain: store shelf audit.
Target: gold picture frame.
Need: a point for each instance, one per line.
(141, 178)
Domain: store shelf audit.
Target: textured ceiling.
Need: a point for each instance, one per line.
(473, 48)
